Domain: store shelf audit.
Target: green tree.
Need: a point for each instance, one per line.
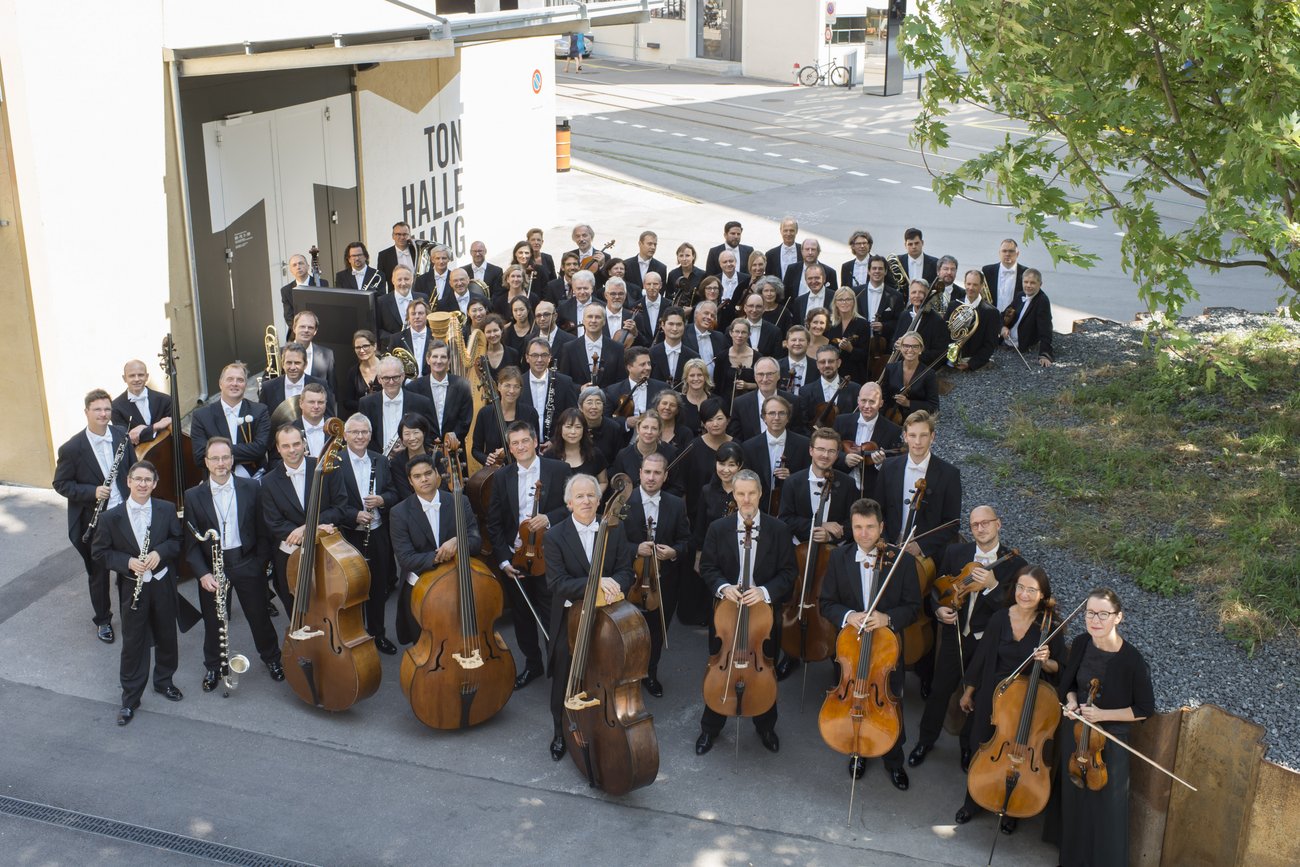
(1126, 102)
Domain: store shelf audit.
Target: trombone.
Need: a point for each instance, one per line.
(274, 364)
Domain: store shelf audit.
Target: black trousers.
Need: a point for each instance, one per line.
(946, 679)
(661, 618)
(279, 578)
(893, 759)
(152, 623)
(712, 722)
(527, 635)
(247, 577)
(101, 599)
(379, 557)
(561, 662)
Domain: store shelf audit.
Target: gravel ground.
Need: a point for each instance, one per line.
(1192, 663)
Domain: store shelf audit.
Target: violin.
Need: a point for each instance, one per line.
(460, 672)
(741, 679)
(594, 261)
(918, 638)
(609, 733)
(626, 405)
(806, 634)
(529, 559)
(953, 589)
(824, 412)
(862, 715)
(868, 450)
(645, 593)
(1009, 774)
(1087, 767)
(334, 663)
(627, 336)
(894, 412)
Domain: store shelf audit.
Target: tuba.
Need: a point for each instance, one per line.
(271, 342)
(423, 255)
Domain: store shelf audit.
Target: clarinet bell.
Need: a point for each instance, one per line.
(238, 665)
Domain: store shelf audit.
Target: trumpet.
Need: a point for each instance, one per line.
(271, 341)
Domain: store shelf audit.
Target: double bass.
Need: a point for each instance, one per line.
(169, 451)
(331, 661)
(807, 635)
(741, 679)
(460, 672)
(608, 731)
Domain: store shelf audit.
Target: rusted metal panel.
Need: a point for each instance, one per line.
(1156, 737)
(1271, 838)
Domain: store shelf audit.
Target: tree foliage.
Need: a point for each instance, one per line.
(1131, 107)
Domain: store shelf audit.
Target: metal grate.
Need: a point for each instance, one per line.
(141, 835)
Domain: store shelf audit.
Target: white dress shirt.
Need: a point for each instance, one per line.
(866, 430)
(815, 485)
(830, 388)
(361, 474)
(866, 561)
(402, 301)
(916, 267)
(985, 559)
(755, 333)
(404, 257)
(799, 369)
(1013, 334)
(141, 517)
(526, 487)
(593, 350)
(861, 269)
(538, 387)
(102, 447)
(644, 265)
(817, 299)
(314, 436)
(673, 354)
(293, 389)
(1006, 286)
(438, 392)
(359, 277)
(651, 309)
(912, 473)
(141, 402)
(650, 504)
(587, 536)
(775, 450)
(392, 414)
(753, 553)
(226, 504)
(874, 296)
(430, 508)
(789, 255)
(418, 340)
(704, 340)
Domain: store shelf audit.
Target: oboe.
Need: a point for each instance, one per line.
(550, 407)
(139, 576)
(108, 483)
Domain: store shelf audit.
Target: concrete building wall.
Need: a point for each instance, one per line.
(779, 33)
(675, 38)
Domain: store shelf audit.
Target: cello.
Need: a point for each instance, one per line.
(741, 679)
(1087, 767)
(460, 672)
(609, 733)
(806, 634)
(335, 663)
(169, 451)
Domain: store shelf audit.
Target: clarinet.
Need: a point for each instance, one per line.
(108, 482)
(139, 579)
(365, 536)
(231, 667)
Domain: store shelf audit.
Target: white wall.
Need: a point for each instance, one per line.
(779, 33)
(676, 40)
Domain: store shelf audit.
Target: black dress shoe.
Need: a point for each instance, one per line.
(770, 741)
(857, 767)
(786, 667)
(210, 680)
(918, 755)
(704, 743)
(558, 748)
(276, 670)
(963, 816)
(105, 633)
(1009, 825)
(125, 715)
(385, 646)
(925, 689)
(898, 777)
(965, 759)
(653, 686)
(171, 693)
(527, 676)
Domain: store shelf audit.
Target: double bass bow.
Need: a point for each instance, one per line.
(460, 672)
(333, 660)
(608, 731)
(806, 635)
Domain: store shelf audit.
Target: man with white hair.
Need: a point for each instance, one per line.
(593, 358)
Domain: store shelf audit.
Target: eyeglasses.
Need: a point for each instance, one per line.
(1102, 616)
(909, 347)
(1028, 589)
(395, 377)
(977, 524)
(366, 346)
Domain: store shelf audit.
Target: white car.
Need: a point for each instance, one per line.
(562, 45)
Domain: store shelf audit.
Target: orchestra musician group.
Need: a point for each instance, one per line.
(746, 446)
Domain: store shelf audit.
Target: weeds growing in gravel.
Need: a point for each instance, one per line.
(1185, 481)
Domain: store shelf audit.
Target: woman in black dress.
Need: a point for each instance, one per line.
(775, 308)
(699, 463)
(519, 330)
(488, 447)
(737, 376)
(697, 388)
(413, 436)
(851, 332)
(684, 280)
(363, 377)
(694, 601)
(498, 355)
(1011, 636)
(922, 385)
(607, 435)
(1094, 825)
(668, 405)
(645, 442)
(571, 442)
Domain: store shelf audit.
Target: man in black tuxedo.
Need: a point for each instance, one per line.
(638, 384)
(709, 345)
(915, 264)
(829, 388)
(401, 253)
(386, 407)
(359, 275)
(585, 237)
(448, 394)
(277, 390)
(775, 452)
(283, 498)
(818, 294)
(932, 327)
(787, 253)
(390, 309)
(809, 254)
(651, 309)
(796, 368)
(141, 411)
(479, 268)
(582, 289)
(228, 506)
(1005, 277)
(877, 302)
(749, 412)
(514, 490)
(458, 296)
(434, 283)
(547, 391)
(320, 359)
(423, 534)
(593, 358)
(620, 317)
(415, 337)
(730, 244)
(764, 337)
(734, 280)
(545, 326)
(81, 476)
(569, 548)
(560, 287)
(853, 273)
(948, 287)
(140, 540)
(668, 357)
(867, 425)
(1031, 319)
(942, 501)
(852, 579)
(302, 276)
(644, 262)
(961, 629)
(670, 549)
(245, 422)
(370, 493)
(978, 348)
(765, 576)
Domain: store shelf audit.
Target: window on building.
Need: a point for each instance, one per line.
(850, 29)
(672, 9)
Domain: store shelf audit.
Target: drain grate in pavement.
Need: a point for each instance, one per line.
(139, 834)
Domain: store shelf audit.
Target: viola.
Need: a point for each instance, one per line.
(609, 733)
(333, 662)
(460, 672)
(646, 590)
(862, 716)
(594, 261)
(529, 559)
(806, 634)
(1009, 774)
(741, 679)
(626, 405)
(627, 336)
(824, 412)
(953, 589)
(1087, 766)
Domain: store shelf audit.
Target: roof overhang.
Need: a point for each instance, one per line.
(438, 38)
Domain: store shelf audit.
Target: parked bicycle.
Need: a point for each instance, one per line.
(837, 73)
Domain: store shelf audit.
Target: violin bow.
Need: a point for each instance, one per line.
(1069, 714)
